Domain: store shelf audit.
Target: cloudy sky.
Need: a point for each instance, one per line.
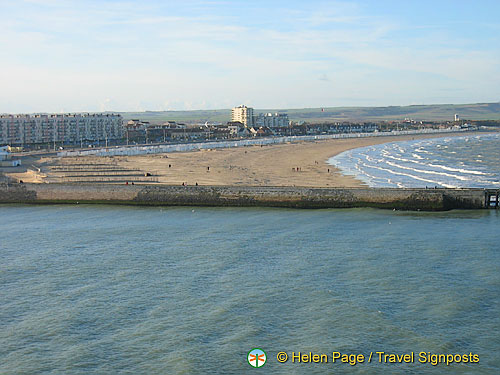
(95, 55)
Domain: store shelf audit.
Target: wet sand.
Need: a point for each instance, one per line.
(298, 164)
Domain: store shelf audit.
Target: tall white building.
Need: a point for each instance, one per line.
(242, 114)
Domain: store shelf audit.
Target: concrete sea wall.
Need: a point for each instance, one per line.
(292, 197)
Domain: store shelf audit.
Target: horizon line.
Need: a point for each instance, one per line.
(263, 109)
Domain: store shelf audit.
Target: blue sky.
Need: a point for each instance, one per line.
(172, 55)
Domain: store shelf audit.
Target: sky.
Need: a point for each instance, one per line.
(106, 55)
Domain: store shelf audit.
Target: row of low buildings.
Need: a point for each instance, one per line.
(60, 128)
(84, 129)
(79, 129)
(142, 131)
(279, 124)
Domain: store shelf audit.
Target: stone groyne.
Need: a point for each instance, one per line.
(247, 196)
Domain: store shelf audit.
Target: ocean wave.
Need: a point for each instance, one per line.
(447, 162)
(424, 163)
(461, 170)
(462, 178)
(411, 176)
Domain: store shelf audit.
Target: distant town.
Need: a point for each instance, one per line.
(86, 130)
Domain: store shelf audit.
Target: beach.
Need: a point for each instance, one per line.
(302, 164)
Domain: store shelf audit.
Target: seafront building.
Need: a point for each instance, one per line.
(271, 120)
(243, 114)
(60, 128)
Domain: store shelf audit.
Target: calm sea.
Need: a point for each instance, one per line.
(466, 161)
(130, 290)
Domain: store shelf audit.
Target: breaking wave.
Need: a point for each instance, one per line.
(452, 162)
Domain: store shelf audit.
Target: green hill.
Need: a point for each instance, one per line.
(437, 112)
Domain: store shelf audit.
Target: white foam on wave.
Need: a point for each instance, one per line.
(422, 150)
(433, 162)
(461, 170)
(443, 167)
(418, 178)
(462, 178)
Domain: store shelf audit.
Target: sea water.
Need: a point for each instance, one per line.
(451, 162)
(129, 290)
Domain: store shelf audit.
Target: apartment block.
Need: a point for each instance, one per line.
(243, 114)
(64, 128)
(271, 120)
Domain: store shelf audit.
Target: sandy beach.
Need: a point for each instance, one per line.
(298, 164)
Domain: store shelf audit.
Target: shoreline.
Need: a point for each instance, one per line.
(301, 164)
(272, 165)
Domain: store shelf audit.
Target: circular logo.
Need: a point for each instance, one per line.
(256, 357)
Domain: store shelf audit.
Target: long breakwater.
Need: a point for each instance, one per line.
(240, 196)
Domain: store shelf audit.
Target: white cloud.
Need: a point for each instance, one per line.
(129, 55)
